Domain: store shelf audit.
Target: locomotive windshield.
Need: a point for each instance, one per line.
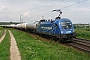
(66, 25)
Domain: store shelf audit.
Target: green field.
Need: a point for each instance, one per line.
(5, 48)
(36, 49)
(83, 33)
(1, 31)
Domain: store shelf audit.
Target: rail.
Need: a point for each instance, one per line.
(80, 44)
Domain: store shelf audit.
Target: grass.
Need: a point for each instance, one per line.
(1, 31)
(83, 33)
(36, 49)
(5, 48)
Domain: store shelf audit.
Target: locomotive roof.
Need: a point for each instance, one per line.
(51, 21)
(63, 19)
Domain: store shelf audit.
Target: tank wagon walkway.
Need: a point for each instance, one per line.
(14, 52)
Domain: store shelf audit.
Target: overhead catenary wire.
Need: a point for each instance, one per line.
(74, 4)
(63, 7)
(70, 5)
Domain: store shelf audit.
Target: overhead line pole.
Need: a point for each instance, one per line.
(20, 18)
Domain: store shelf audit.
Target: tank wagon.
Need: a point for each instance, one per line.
(23, 26)
(31, 27)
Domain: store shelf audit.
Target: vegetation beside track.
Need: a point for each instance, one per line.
(36, 49)
(5, 48)
(83, 33)
(1, 31)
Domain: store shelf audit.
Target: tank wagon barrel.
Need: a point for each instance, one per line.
(18, 26)
(23, 25)
(31, 26)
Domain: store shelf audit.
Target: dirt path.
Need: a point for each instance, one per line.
(3, 36)
(14, 52)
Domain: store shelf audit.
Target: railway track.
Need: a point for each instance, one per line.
(77, 43)
(80, 44)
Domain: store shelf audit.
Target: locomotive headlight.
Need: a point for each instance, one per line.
(61, 32)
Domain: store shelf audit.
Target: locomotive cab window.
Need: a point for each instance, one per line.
(66, 25)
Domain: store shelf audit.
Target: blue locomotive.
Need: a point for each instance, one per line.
(59, 28)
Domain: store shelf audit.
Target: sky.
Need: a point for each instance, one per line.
(78, 11)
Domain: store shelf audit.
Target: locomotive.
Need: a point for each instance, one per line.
(61, 28)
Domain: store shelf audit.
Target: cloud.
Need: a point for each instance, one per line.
(3, 8)
(35, 9)
(78, 9)
(83, 9)
(27, 13)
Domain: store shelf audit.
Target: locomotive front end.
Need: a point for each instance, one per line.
(67, 29)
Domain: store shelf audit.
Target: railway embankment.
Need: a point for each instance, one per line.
(32, 47)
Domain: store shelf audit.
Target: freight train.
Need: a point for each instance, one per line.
(61, 28)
